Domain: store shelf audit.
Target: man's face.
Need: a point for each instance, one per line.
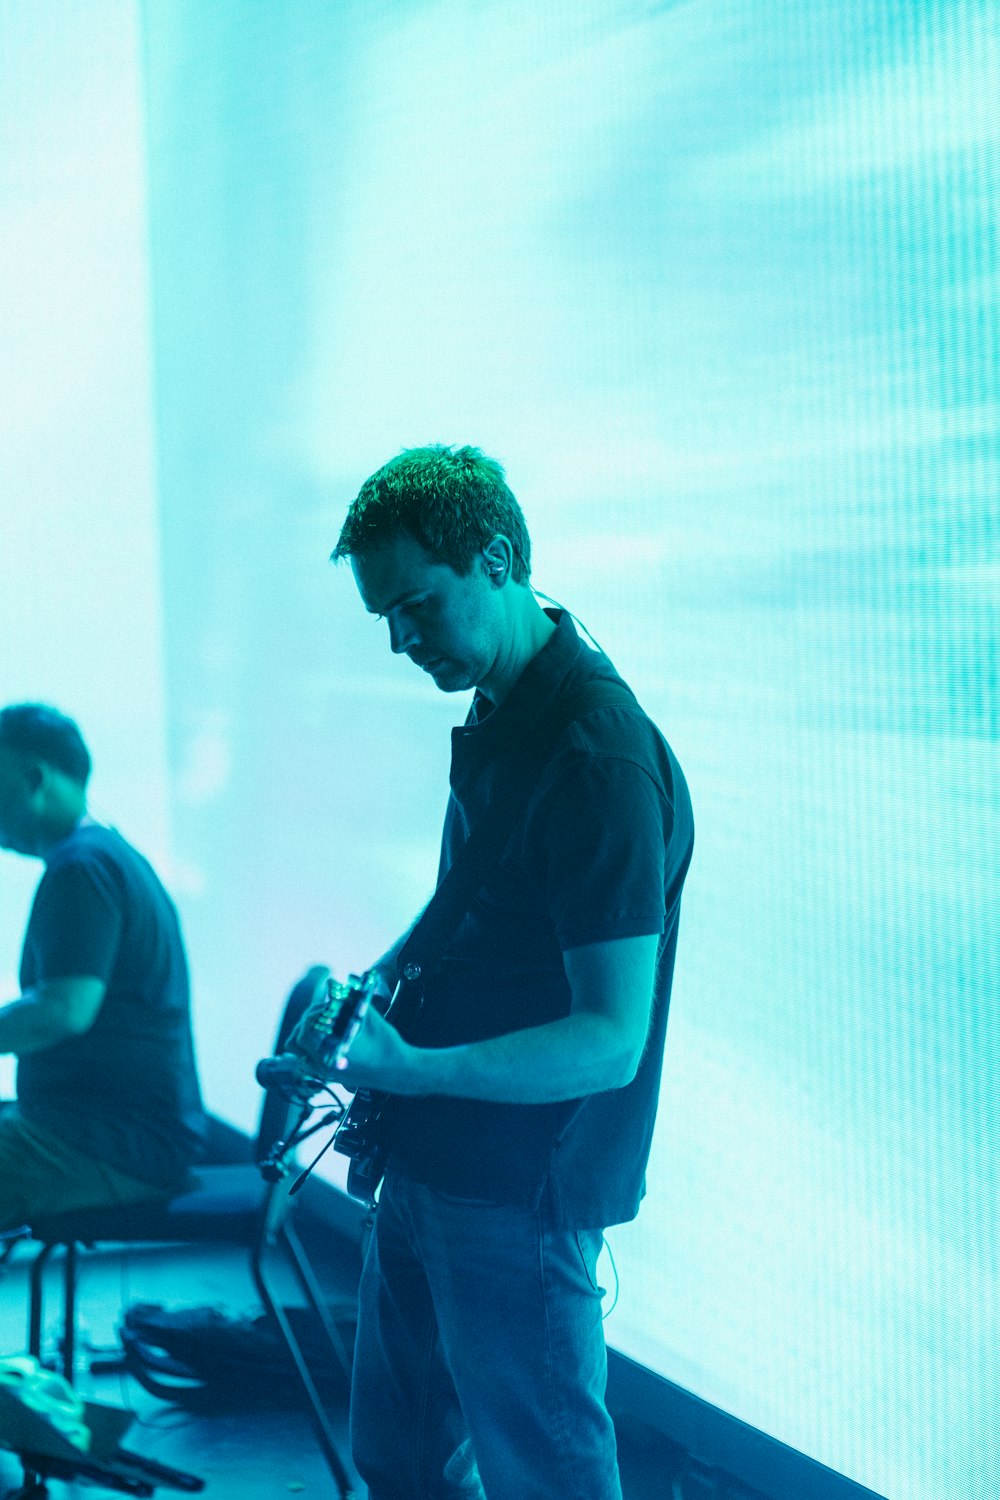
(449, 625)
(18, 820)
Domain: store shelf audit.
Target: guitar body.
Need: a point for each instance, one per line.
(360, 1134)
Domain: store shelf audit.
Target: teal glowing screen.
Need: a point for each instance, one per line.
(717, 282)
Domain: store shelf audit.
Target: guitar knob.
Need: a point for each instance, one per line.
(411, 972)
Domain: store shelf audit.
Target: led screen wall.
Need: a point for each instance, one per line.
(80, 606)
(717, 282)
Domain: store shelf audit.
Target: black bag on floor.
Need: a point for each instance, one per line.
(201, 1358)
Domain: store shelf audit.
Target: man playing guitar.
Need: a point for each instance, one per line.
(519, 1068)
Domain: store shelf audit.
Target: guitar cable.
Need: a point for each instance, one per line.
(606, 1313)
(328, 1119)
(581, 627)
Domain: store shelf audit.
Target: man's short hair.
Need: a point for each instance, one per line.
(37, 730)
(453, 501)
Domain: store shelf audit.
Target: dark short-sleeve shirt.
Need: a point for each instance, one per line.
(126, 1091)
(600, 853)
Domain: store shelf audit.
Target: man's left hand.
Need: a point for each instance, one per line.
(378, 1058)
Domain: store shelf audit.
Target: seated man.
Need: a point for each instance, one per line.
(108, 1107)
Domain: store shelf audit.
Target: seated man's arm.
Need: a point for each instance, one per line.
(596, 1047)
(50, 1012)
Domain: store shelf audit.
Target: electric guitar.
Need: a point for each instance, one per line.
(361, 1133)
(328, 1029)
(322, 1037)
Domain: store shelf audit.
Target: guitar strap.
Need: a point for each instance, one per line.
(519, 773)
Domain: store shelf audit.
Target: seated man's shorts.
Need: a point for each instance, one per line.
(42, 1174)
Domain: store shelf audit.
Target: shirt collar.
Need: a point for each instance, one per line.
(544, 674)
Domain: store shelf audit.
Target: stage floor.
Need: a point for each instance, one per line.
(243, 1454)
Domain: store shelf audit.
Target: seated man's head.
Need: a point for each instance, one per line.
(44, 767)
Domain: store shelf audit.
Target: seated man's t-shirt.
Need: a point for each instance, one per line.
(126, 1091)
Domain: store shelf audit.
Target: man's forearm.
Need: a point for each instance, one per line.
(581, 1054)
(564, 1059)
(52, 1011)
(28, 1026)
(596, 1047)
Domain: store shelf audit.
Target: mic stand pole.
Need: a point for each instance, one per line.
(276, 1225)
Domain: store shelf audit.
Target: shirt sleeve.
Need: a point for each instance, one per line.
(76, 924)
(599, 843)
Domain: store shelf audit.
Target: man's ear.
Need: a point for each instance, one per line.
(497, 557)
(34, 775)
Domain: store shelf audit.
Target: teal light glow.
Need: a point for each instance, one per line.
(718, 282)
(80, 602)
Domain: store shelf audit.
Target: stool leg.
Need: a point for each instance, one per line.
(69, 1312)
(35, 1305)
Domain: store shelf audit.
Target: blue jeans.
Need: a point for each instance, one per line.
(480, 1364)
